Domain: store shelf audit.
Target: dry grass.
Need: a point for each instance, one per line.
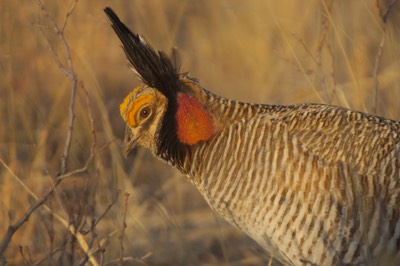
(280, 52)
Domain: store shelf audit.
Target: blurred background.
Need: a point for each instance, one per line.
(338, 52)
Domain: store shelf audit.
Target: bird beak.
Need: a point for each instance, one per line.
(129, 142)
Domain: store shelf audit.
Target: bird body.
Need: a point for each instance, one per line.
(311, 183)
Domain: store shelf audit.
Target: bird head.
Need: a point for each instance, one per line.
(142, 111)
(168, 114)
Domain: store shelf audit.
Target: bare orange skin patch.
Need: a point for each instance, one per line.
(130, 106)
(194, 124)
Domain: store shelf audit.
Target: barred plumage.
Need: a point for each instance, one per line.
(311, 183)
(312, 179)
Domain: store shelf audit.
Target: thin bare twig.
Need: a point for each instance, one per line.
(84, 168)
(378, 57)
(131, 259)
(54, 52)
(384, 15)
(27, 260)
(332, 72)
(48, 222)
(63, 250)
(71, 255)
(378, 7)
(68, 69)
(105, 212)
(39, 202)
(92, 151)
(69, 13)
(389, 8)
(340, 44)
(92, 125)
(317, 60)
(123, 226)
(296, 60)
(379, 52)
(93, 231)
(93, 238)
(324, 42)
(48, 256)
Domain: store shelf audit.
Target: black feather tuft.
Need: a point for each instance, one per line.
(155, 68)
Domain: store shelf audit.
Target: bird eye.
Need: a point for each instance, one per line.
(145, 112)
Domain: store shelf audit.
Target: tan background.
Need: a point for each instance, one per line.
(278, 52)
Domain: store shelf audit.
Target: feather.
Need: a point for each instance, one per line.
(154, 68)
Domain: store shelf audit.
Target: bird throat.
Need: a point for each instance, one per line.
(194, 123)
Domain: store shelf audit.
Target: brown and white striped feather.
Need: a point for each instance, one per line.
(313, 184)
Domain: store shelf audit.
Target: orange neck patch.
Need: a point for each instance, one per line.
(193, 122)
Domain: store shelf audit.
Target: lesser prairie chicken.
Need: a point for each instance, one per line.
(311, 183)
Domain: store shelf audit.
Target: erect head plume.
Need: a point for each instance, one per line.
(186, 120)
(154, 68)
(157, 71)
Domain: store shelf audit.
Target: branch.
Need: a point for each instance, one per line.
(51, 253)
(69, 13)
(131, 259)
(378, 55)
(94, 235)
(123, 226)
(94, 140)
(68, 69)
(39, 202)
(384, 15)
(324, 42)
(105, 211)
(27, 261)
(378, 58)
